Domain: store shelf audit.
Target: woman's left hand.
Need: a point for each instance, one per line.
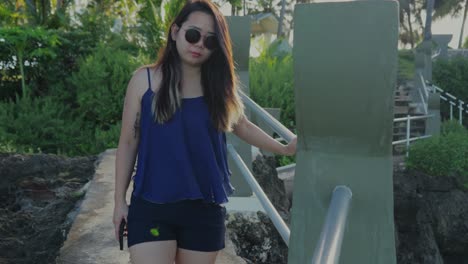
(290, 149)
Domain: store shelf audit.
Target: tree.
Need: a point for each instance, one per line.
(453, 8)
(45, 13)
(405, 9)
(463, 25)
(27, 43)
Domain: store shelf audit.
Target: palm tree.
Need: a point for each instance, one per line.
(460, 40)
(427, 28)
(405, 8)
(452, 7)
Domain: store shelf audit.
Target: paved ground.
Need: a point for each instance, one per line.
(91, 237)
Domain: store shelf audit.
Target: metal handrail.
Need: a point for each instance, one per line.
(287, 135)
(423, 94)
(274, 124)
(411, 118)
(423, 82)
(328, 248)
(278, 222)
(452, 100)
(410, 139)
(408, 119)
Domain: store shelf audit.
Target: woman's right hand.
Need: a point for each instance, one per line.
(120, 212)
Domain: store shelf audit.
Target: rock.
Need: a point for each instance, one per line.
(255, 238)
(264, 170)
(38, 193)
(431, 217)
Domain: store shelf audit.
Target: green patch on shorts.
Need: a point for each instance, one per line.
(154, 231)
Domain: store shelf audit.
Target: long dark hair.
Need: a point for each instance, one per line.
(219, 81)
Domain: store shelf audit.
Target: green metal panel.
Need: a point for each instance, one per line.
(345, 64)
(239, 29)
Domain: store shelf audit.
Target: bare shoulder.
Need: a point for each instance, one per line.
(139, 82)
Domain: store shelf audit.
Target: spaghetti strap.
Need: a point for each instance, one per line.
(149, 79)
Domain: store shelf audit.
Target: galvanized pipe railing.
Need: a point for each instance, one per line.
(453, 101)
(279, 128)
(287, 135)
(278, 222)
(328, 248)
(408, 130)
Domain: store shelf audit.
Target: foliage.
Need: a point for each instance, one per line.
(27, 44)
(101, 83)
(284, 160)
(8, 16)
(406, 65)
(40, 125)
(171, 9)
(452, 126)
(51, 76)
(106, 139)
(411, 23)
(443, 155)
(447, 7)
(452, 76)
(45, 13)
(95, 23)
(152, 27)
(271, 84)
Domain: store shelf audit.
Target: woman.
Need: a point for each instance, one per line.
(175, 116)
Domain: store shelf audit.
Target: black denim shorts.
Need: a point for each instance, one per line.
(194, 224)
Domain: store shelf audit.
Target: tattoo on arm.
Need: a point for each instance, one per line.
(136, 126)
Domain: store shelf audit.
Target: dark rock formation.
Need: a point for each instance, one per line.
(256, 239)
(38, 194)
(431, 218)
(264, 170)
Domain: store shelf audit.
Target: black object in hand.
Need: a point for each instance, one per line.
(121, 233)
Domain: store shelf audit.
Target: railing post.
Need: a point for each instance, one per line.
(460, 112)
(408, 134)
(451, 110)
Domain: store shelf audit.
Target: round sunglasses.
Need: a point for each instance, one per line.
(193, 36)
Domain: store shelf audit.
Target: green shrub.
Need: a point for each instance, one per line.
(271, 84)
(40, 125)
(100, 84)
(446, 154)
(452, 76)
(452, 126)
(106, 139)
(405, 65)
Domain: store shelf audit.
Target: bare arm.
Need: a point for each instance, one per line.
(129, 137)
(253, 135)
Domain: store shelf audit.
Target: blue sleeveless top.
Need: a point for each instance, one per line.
(184, 158)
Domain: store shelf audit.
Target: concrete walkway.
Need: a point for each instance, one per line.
(91, 238)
